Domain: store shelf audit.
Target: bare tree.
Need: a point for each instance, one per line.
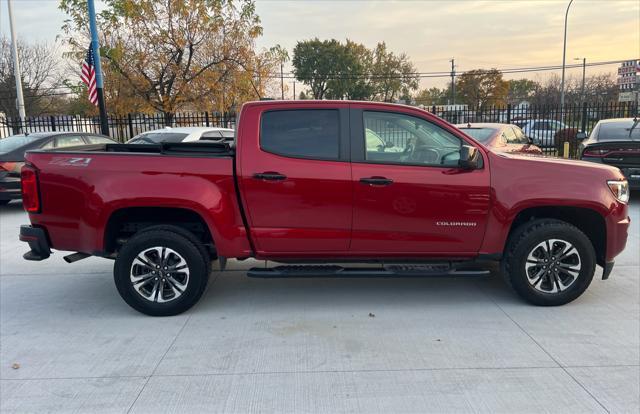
(40, 65)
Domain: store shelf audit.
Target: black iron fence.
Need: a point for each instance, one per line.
(548, 126)
(121, 127)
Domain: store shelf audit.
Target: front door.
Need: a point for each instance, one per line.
(296, 180)
(410, 197)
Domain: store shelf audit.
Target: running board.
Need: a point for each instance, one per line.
(302, 271)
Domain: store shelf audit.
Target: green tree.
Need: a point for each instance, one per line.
(392, 75)
(351, 71)
(431, 96)
(521, 90)
(479, 88)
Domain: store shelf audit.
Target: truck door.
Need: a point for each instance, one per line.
(410, 197)
(295, 178)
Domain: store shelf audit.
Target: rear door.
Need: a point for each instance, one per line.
(296, 178)
(414, 203)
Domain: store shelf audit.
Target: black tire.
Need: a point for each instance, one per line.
(183, 248)
(523, 242)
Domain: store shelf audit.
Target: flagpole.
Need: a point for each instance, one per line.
(95, 49)
(16, 67)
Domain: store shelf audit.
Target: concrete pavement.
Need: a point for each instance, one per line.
(310, 345)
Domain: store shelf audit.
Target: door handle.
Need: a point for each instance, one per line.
(270, 176)
(376, 181)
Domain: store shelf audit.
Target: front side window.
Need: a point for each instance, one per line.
(510, 136)
(96, 139)
(409, 140)
(302, 133)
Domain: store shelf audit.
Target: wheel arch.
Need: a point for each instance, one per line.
(124, 222)
(587, 220)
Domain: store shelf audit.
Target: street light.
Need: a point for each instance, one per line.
(564, 56)
(584, 69)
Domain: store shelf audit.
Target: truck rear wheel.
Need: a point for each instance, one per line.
(160, 272)
(549, 262)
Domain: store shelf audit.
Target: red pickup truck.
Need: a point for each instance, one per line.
(303, 184)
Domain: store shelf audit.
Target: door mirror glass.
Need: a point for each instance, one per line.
(581, 136)
(469, 157)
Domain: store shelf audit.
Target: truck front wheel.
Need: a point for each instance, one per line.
(549, 262)
(160, 272)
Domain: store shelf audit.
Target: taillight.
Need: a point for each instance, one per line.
(7, 166)
(595, 152)
(30, 193)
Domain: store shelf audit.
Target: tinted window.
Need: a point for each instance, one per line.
(10, 143)
(618, 131)
(480, 134)
(69, 141)
(411, 140)
(302, 133)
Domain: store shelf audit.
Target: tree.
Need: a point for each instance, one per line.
(41, 78)
(431, 96)
(479, 88)
(392, 75)
(314, 64)
(351, 71)
(521, 90)
(166, 55)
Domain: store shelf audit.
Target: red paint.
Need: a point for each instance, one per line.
(321, 210)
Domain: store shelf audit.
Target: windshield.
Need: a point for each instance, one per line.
(618, 131)
(11, 143)
(158, 137)
(481, 134)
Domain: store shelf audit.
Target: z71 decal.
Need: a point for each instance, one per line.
(70, 161)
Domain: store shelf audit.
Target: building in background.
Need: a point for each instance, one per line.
(629, 81)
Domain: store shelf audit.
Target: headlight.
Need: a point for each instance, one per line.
(620, 189)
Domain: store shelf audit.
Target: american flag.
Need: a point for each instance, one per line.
(88, 76)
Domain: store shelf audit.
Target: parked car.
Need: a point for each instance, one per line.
(303, 185)
(13, 148)
(501, 137)
(616, 142)
(183, 134)
(541, 131)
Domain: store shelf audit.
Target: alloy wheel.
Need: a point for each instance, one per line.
(553, 265)
(159, 274)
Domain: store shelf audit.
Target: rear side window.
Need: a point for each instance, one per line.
(303, 133)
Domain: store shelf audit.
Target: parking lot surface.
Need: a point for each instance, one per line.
(68, 343)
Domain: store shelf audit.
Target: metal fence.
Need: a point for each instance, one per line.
(121, 127)
(548, 126)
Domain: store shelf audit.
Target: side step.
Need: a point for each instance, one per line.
(422, 270)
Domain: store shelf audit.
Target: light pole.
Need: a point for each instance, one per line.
(564, 61)
(584, 69)
(16, 66)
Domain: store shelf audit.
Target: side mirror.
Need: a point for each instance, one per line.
(388, 144)
(581, 136)
(469, 157)
(530, 140)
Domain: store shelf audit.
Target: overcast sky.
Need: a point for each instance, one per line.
(492, 33)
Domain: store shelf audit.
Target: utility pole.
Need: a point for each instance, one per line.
(16, 66)
(564, 56)
(282, 79)
(453, 81)
(294, 90)
(95, 48)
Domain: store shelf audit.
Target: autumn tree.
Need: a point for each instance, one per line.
(392, 75)
(479, 88)
(169, 55)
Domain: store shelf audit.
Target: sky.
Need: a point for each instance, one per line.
(479, 34)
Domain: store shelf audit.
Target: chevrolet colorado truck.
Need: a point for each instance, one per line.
(302, 186)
